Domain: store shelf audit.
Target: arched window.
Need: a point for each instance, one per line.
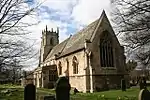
(60, 68)
(75, 65)
(106, 51)
(67, 66)
(51, 41)
(67, 61)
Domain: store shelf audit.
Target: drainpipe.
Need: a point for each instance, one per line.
(91, 73)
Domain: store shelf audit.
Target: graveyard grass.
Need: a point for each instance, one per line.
(131, 94)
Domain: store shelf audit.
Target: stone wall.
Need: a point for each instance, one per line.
(113, 81)
(76, 80)
(37, 77)
(45, 77)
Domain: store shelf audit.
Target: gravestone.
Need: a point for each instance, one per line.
(62, 89)
(141, 85)
(75, 91)
(144, 94)
(123, 85)
(29, 92)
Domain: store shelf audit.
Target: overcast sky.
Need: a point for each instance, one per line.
(69, 15)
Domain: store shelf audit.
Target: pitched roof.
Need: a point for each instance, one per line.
(75, 42)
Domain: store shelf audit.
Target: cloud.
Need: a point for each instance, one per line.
(87, 11)
(61, 5)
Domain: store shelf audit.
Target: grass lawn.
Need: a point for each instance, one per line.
(130, 94)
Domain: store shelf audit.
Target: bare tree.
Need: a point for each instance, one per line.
(14, 48)
(132, 22)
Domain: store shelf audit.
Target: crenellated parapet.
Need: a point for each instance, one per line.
(52, 31)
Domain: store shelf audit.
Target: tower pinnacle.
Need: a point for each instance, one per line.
(46, 28)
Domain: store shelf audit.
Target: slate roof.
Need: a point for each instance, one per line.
(75, 42)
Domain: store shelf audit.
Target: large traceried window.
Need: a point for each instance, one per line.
(52, 75)
(106, 51)
(60, 68)
(75, 65)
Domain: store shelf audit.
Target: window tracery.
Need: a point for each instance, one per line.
(106, 51)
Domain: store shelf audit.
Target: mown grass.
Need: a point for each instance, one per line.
(16, 95)
(130, 94)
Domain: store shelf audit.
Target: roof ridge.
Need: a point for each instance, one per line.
(94, 28)
(65, 44)
(103, 14)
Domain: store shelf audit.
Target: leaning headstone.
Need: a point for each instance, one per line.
(30, 92)
(123, 85)
(144, 94)
(75, 91)
(62, 89)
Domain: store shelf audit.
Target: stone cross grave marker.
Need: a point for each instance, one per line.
(29, 92)
(144, 94)
(62, 89)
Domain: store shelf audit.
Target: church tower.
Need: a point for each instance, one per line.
(50, 38)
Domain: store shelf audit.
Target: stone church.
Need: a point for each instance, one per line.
(92, 59)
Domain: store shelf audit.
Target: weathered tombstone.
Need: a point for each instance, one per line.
(144, 94)
(75, 91)
(62, 89)
(142, 84)
(30, 92)
(123, 85)
(50, 97)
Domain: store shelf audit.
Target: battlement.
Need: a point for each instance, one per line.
(52, 31)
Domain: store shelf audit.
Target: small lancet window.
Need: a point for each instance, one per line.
(51, 41)
(67, 61)
(75, 65)
(60, 68)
